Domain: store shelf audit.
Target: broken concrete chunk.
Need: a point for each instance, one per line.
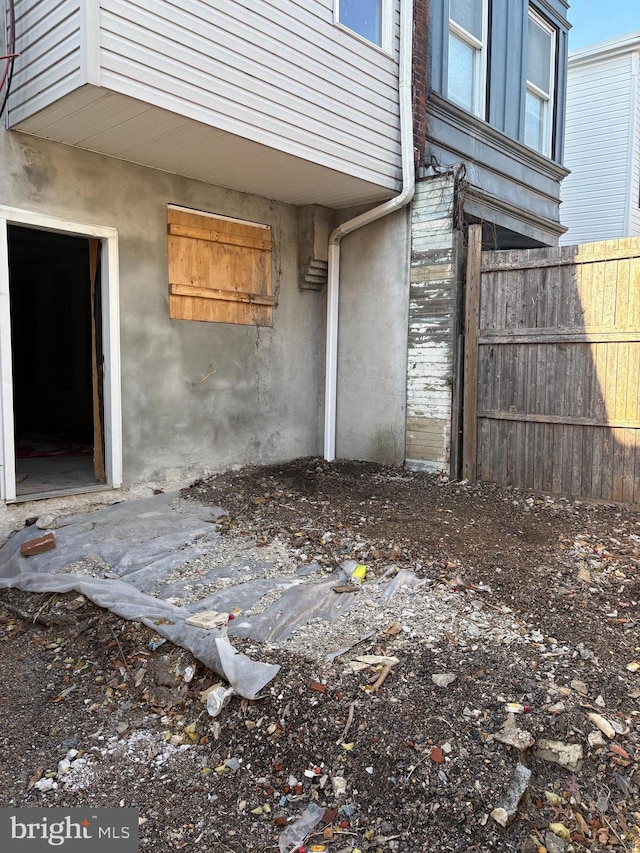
(208, 619)
(443, 679)
(47, 522)
(596, 740)
(567, 755)
(604, 725)
(511, 735)
(339, 785)
(506, 811)
(38, 545)
(580, 687)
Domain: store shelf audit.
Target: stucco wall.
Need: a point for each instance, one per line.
(261, 403)
(374, 297)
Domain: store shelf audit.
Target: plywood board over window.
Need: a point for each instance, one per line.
(219, 269)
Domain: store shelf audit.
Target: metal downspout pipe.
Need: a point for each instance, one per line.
(404, 197)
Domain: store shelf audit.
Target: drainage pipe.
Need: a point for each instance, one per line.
(405, 196)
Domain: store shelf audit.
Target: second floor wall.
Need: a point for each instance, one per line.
(256, 88)
(496, 86)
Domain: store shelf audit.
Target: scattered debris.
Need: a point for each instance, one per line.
(604, 725)
(443, 679)
(294, 835)
(506, 811)
(471, 580)
(208, 619)
(511, 735)
(567, 755)
(217, 699)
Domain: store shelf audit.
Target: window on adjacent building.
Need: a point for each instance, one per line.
(219, 269)
(541, 50)
(466, 72)
(367, 18)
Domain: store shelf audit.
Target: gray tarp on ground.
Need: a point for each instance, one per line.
(143, 542)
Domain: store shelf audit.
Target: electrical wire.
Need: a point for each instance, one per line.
(7, 75)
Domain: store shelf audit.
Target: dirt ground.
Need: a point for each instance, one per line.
(531, 600)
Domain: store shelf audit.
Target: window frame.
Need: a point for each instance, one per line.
(548, 99)
(479, 106)
(386, 26)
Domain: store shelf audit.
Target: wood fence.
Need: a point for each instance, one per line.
(552, 367)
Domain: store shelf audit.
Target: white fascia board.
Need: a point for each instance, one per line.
(605, 49)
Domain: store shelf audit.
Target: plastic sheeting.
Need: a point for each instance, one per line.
(126, 558)
(142, 542)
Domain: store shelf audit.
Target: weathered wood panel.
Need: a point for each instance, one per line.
(552, 370)
(432, 340)
(219, 269)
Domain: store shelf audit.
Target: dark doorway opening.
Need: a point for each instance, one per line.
(54, 285)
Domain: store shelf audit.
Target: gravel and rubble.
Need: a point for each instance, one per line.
(490, 703)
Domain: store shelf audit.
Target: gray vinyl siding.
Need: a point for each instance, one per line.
(597, 150)
(278, 72)
(49, 64)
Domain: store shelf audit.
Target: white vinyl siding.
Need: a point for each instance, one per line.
(634, 212)
(277, 72)
(597, 140)
(48, 42)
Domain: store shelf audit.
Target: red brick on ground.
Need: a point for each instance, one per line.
(38, 545)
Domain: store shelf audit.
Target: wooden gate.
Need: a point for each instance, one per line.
(552, 367)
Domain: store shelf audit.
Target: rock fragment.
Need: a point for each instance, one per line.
(511, 735)
(603, 724)
(567, 755)
(443, 679)
(506, 811)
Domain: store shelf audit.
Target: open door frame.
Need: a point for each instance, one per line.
(98, 431)
(107, 241)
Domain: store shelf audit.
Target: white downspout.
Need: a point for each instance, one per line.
(405, 196)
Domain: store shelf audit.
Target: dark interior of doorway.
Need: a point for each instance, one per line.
(54, 375)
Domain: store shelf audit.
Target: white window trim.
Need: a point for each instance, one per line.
(386, 33)
(480, 81)
(548, 98)
(111, 343)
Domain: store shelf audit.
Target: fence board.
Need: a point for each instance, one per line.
(552, 369)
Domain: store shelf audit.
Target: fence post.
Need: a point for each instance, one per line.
(471, 325)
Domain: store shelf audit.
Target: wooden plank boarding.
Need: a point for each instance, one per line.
(219, 269)
(552, 368)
